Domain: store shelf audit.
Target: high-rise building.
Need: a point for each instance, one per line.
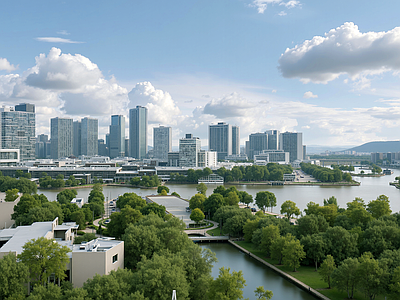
(102, 147)
(292, 142)
(117, 136)
(61, 130)
(162, 142)
(138, 132)
(257, 143)
(89, 136)
(235, 140)
(18, 129)
(189, 147)
(224, 139)
(273, 139)
(77, 138)
(41, 144)
(127, 154)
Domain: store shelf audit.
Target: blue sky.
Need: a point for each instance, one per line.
(193, 63)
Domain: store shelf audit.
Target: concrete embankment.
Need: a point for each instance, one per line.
(281, 273)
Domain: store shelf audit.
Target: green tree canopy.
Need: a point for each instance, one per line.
(201, 188)
(44, 257)
(197, 201)
(197, 215)
(293, 253)
(11, 195)
(289, 208)
(326, 269)
(345, 277)
(265, 199)
(379, 207)
(13, 276)
(227, 285)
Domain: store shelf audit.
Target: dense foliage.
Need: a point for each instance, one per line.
(325, 174)
(146, 181)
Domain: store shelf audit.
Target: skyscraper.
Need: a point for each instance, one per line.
(162, 142)
(292, 142)
(235, 140)
(77, 138)
(224, 139)
(89, 136)
(117, 136)
(41, 145)
(138, 132)
(189, 147)
(257, 143)
(18, 129)
(61, 137)
(273, 139)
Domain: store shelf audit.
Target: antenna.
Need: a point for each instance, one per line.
(174, 295)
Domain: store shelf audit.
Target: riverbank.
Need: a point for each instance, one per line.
(367, 175)
(91, 185)
(305, 277)
(308, 183)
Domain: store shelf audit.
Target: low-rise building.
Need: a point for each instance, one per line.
(99, 256)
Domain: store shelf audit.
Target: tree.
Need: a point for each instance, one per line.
(66, 196)
(162, 188)
(212, 203)
(357, 213)
(201, 188)
(131, 199)
(268, 235)
(371, 276)
(315, 247)
(340, 243)
(197, 215)
(395, 285)
(155, 283)
(326, 269)
(154, 208)
(345, 277)
(175, 194)
(249, 228)
(265, 199)
(120, 220)
(245, 197)
(11, 195)
(231, 198)
(289, 208)
(13, 276)
(278, 245)
(293, 253)
(197, 201)
(227, 286)
(44, 257)
(262, 294)
(311, 224)
(379, 207)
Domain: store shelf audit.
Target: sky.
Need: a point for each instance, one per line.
(328, 69)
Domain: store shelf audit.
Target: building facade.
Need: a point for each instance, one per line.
(138, 132)
(77, 138)
(162, 142)
(89, 136)
(117, 136)
(61, 137)
(257, 143)
(189, 148)
(235, 140)
(18, 129)
(292, 142)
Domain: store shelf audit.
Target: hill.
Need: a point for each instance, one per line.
(388, 146)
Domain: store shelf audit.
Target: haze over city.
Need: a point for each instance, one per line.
(329, 70)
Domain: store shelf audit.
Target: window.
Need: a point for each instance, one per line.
(115, 258)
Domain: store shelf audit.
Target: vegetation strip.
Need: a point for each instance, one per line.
(282, 273)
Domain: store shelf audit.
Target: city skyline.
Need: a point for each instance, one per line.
(325, 69)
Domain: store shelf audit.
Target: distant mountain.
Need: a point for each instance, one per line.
(389, 146)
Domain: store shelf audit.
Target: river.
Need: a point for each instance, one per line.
(255, 273)
(369, 189)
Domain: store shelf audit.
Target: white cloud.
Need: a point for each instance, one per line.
(274, 91)
(5, 65)
(232, 105)
(282, 13)
(344, 50)
(308, 95)
(58, 71)
(261, 5)
(162, 109)
(63, 32)
(57, 40)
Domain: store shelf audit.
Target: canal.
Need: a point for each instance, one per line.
(255, 273)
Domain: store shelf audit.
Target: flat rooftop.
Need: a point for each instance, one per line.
(174, 205)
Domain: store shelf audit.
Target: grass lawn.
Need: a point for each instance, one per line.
(307, 275)
(215, 232)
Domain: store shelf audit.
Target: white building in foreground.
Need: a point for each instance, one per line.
(99, 256)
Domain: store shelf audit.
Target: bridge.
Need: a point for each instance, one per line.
(200, 239)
